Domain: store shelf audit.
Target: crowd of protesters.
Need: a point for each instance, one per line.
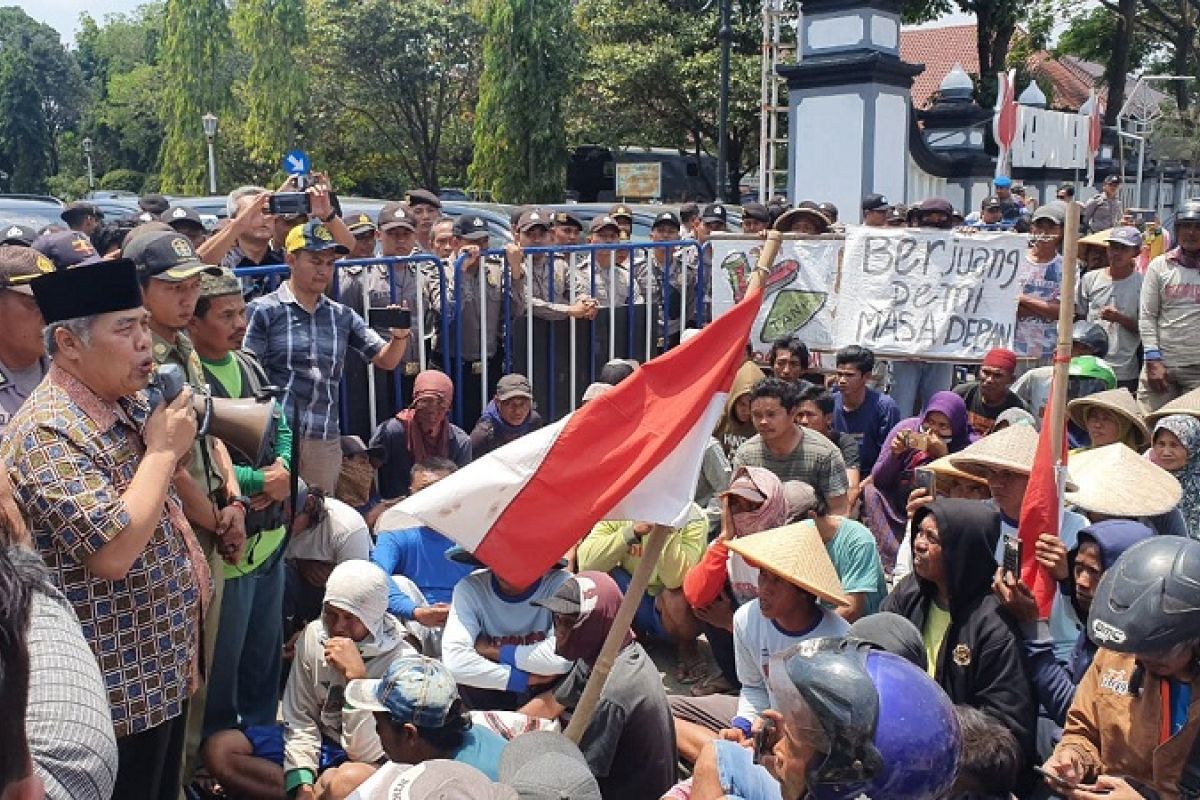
(840, 607)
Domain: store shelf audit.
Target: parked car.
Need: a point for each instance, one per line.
(36, 211)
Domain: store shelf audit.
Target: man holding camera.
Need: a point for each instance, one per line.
(245, 679)
(94, 472)
(301, 336)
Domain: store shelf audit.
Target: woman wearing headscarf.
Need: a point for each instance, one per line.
(941, 429)
(630, 742)
(722, 581)
(418, 432)
(1177, 450)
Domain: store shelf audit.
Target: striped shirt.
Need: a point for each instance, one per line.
(305, 354)
(67, 721)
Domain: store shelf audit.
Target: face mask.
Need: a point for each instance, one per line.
(354, 482)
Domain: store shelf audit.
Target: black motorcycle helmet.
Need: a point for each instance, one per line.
(1149, 600)
(1092, 336)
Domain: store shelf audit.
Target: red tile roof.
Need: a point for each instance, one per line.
(939, 49)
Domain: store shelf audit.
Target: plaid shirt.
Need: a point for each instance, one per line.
(71, 455)
(305, 354)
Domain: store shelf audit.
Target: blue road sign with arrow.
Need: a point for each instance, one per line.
(296, 162)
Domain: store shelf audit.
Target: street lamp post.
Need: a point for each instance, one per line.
(87, 154)
(726, 36)
(209, 121)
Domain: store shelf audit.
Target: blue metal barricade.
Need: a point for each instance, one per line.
(646, 304)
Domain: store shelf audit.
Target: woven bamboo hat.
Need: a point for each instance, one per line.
(1095, 241)
(1117, 482)
(1012, 449)
(1184, 404)
(796, 554)
(943, 468)
(1119, 401)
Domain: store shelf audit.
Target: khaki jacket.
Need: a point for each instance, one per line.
(314, 707)
(1117, 733)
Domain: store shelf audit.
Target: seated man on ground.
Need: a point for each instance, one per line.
(498, 646)
(356, 480)
(419, 717)
(794, 575)
(423, 579)
(736, 426)
(851, 548)
(1099, 547)
(325, 532)
(990, 395)
(791, 452)
(508, 416)
(789, 361)
(1132, 724)
(722, 581)
(848, 721)
(355, 638)
(816, 414)
(628, 743)
(616, 548)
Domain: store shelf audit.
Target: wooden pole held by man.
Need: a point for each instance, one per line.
(655, 541)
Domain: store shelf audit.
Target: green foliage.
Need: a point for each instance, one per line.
(529, 61)
(271, 34)
(393, 88)
(1090, 36)
(119, 63)
(195, 43)
(126, 180)
(56, 75)
(25, 141)
(650, 78)
(67, 187)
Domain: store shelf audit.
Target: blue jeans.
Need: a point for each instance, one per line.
(914, 382)
(243, 682)
(741, 778)
(647, 621)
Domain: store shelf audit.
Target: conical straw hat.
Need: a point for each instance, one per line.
(1117, 482)
(1119, 401)
(1184, 404)
(1012, 449)
(943, 468)
(796, 554)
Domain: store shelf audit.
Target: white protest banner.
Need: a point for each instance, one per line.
(798, 293)
(929, 294)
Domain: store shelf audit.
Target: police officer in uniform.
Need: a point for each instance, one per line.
(170, 272)
(23, 361)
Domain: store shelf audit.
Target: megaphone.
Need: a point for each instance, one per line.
(246, 425)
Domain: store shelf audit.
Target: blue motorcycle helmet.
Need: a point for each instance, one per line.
(881, 726)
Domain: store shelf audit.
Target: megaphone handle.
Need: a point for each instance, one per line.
(202, 428)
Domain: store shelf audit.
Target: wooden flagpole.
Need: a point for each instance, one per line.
(1066, 321)
(585, 709)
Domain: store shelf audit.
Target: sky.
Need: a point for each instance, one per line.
(63, 15)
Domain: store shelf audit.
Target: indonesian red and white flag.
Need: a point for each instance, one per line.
(633, 453)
